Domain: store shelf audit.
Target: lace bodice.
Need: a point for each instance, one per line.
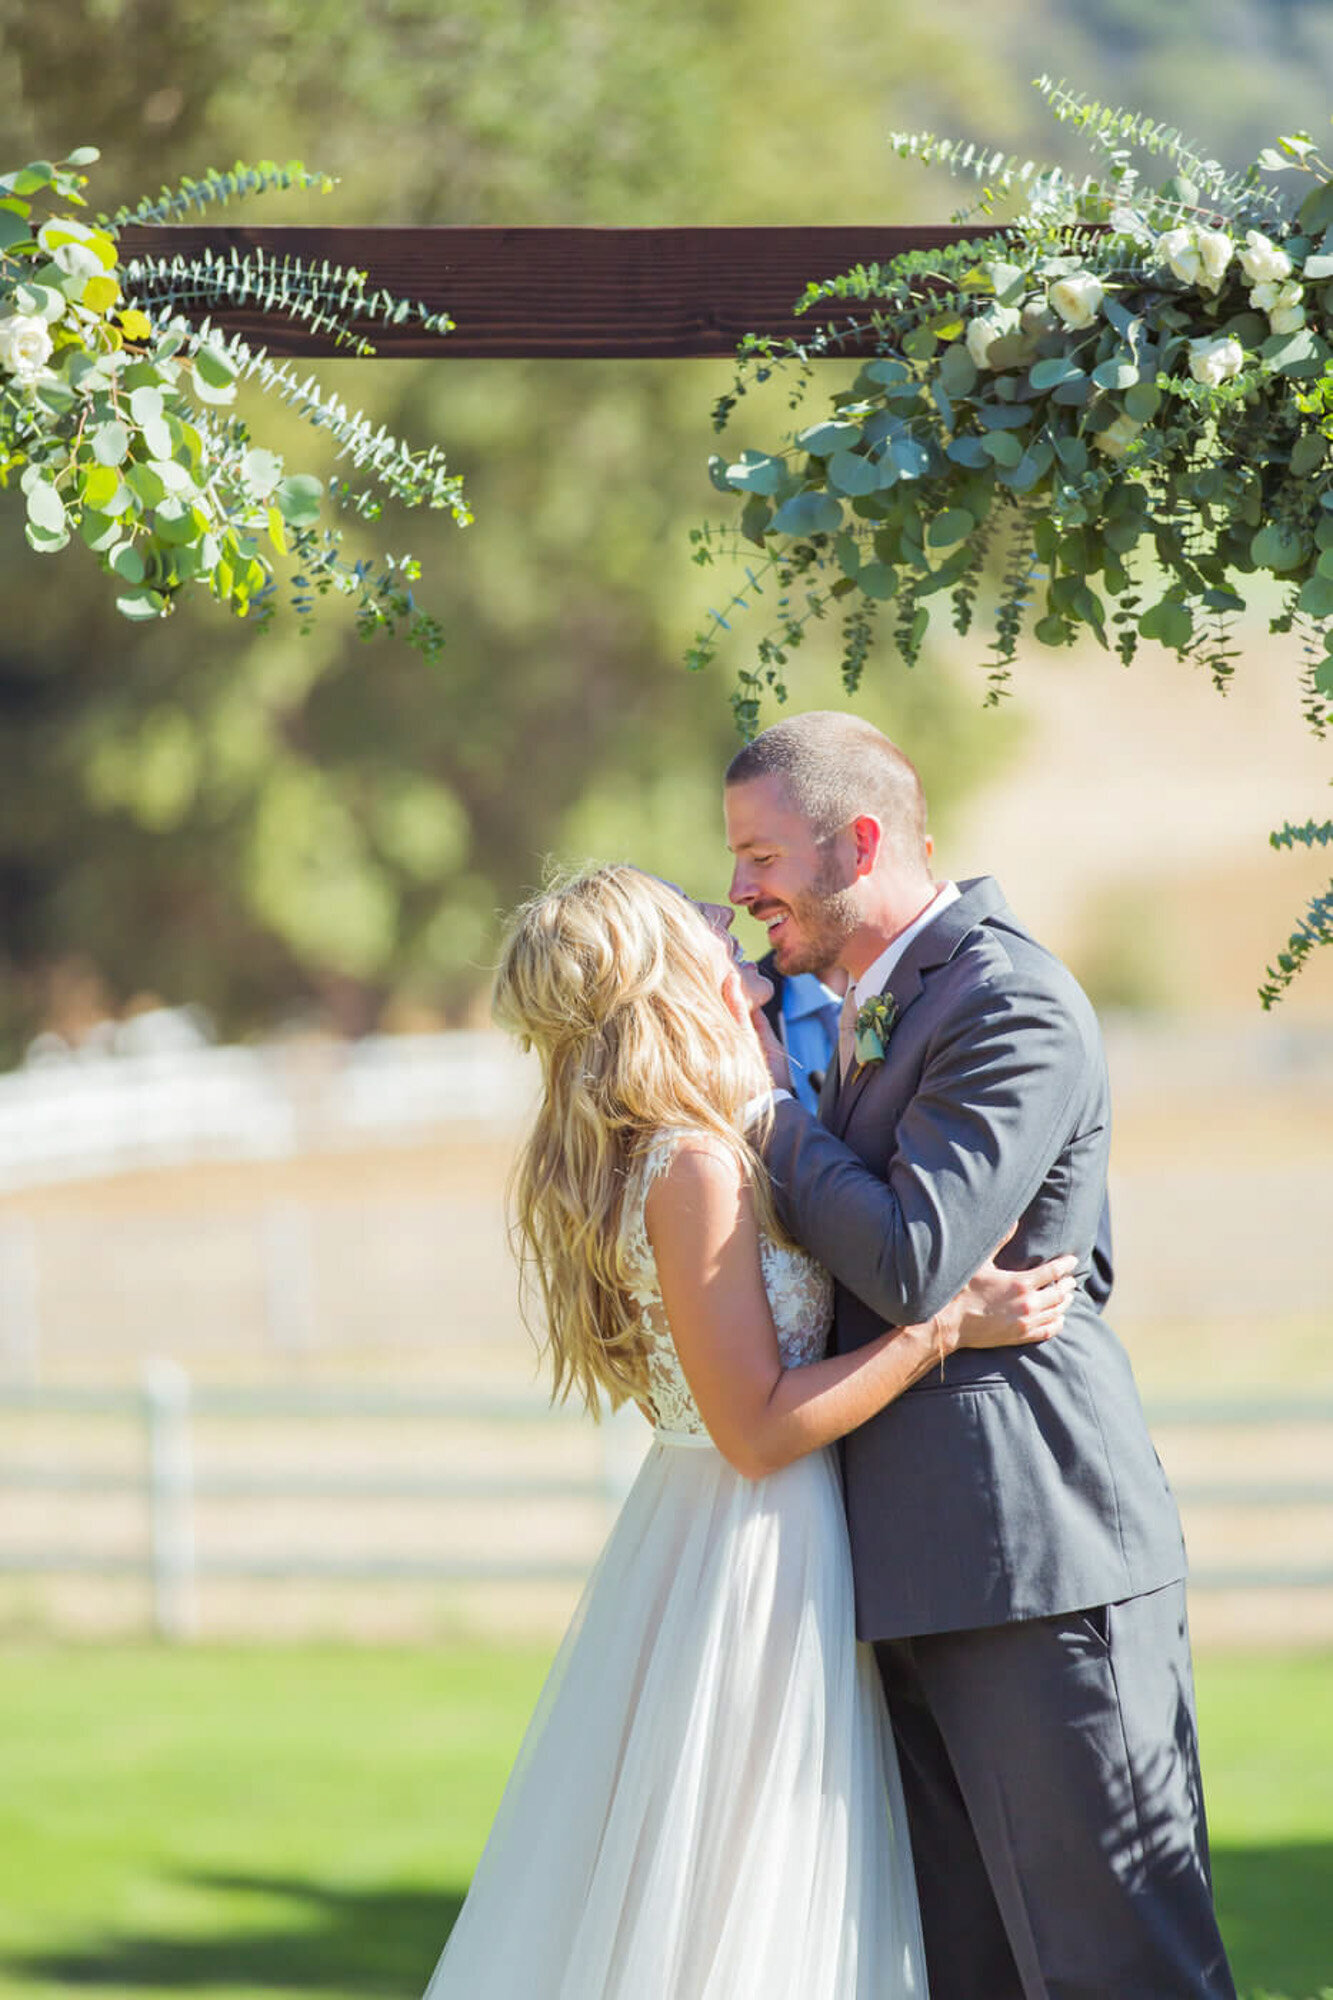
(800, 1295)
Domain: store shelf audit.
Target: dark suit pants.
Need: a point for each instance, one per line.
(1052, 1778)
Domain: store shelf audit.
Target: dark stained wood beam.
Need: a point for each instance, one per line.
(585, 293)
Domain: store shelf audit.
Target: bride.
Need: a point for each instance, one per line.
(706, 1804)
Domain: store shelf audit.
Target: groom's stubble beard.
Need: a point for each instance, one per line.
(825, 915)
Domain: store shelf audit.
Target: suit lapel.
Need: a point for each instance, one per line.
(851, 1091)
(977, 900)
(828, 1096)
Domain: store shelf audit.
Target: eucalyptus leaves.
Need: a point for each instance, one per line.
(1122, 403)
(117, 413)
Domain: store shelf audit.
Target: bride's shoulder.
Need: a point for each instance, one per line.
(688, 1153)
(678, 1174)
(695, 1178)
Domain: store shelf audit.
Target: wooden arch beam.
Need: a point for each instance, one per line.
(588, 294)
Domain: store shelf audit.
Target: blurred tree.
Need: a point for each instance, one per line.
(267, 823)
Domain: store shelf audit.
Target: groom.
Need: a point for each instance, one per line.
(1017, 1552)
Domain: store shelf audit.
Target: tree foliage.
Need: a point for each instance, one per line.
(268, 824)
(1124, 395)
(118, 418)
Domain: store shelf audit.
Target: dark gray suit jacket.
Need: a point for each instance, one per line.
(1024, 1483)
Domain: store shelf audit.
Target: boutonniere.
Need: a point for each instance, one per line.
(874, 1024)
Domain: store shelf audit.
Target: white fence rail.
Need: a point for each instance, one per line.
(105, 1113)
(408, 1267)
(168, 1479)
(152, 1092)
(86, 1293)
(165, 1475)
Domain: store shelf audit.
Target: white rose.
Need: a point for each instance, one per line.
(1116, 439)
(1077, 299)
(1180, 253)
(1282, 303)
(1217, 360)
(1262, 261)
(982, 334)
(25, 345)
(1215, 253)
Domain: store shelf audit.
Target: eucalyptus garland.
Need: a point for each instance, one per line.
(1124, 397)
(118, 420)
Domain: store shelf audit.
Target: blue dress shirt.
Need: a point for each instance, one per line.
(810, 1013)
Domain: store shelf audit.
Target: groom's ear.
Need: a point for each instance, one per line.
(868, 835)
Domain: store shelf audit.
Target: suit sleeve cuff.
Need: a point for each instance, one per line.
(767, 1100)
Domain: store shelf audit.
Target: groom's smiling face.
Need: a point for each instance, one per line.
(793, 880)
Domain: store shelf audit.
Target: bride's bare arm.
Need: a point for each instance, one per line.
(760, 1414)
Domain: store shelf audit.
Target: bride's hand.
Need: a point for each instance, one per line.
(1007, 1308)
(746, 992)
(774, 1055)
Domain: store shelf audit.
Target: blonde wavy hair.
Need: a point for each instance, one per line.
(610, 976)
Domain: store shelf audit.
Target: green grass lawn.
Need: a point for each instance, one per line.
(302, 1822)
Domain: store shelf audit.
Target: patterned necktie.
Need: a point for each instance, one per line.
(847, 1033)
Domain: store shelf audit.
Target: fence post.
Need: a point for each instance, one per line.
(166, 1390)
(289, 1276)
(20, 1318)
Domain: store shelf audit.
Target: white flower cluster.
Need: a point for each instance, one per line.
(1202, 257)
(1216, 359)
(1273, 289)
(1077, 300)
(25, 347)
(1072, 302)
(1195, 256)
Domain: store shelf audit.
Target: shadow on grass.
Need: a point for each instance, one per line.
(336, 1940)
(1274, 1904)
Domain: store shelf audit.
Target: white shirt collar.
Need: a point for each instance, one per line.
(876, 977)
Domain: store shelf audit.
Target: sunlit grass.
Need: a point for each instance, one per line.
(302, 1822)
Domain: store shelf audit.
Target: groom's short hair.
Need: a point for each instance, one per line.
(837, 767)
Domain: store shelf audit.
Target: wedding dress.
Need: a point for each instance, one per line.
(706, 1804)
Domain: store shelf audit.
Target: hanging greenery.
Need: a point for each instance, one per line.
(118, 419)
(1124, 397)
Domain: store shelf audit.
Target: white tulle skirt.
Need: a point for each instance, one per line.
(706, 1804)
